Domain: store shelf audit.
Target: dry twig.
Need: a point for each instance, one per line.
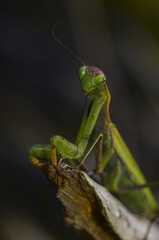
(90, 208)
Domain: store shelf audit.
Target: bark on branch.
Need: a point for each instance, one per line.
(90, 208)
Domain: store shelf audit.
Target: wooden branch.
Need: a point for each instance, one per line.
(90, 208)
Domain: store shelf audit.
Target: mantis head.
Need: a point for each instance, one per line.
(91, 78)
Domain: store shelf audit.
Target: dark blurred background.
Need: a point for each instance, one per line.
(41, 96)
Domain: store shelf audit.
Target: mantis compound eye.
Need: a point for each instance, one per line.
(82, 72)
(99, 79)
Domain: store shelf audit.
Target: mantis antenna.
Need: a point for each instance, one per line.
(121, 64)
(67, 49)
(77, 57)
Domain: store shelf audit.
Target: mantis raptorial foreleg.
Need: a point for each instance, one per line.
(59, 144)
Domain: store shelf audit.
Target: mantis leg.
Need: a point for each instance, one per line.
(62, 148)
(99, 137)
(39, 155)
(53, 156)
(58, 149)
(68, 150)
(46, 199)
(139, 187)
(99, 156)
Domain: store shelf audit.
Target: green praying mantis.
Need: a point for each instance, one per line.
(119, 171)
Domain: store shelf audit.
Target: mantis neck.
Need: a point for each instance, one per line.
(94, 102)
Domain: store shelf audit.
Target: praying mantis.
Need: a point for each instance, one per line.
(118, 169)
